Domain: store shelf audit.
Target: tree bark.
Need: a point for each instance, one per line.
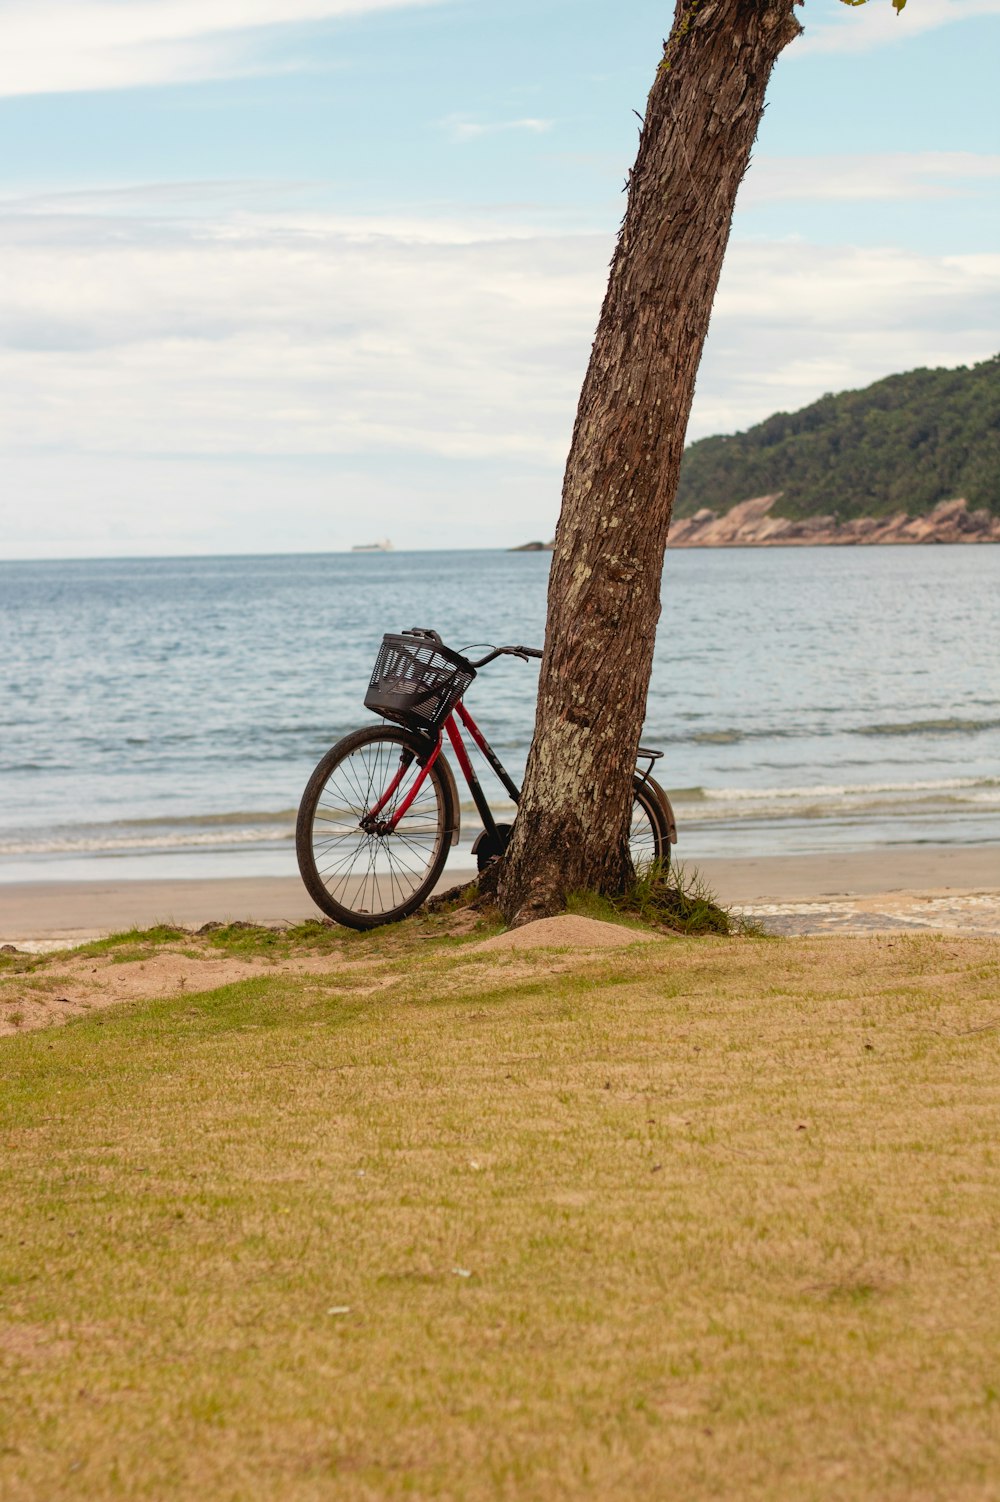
(704, 108)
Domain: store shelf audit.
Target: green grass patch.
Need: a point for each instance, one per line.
(134, 940)
(244, 940)
(678, 897)
(714, 1215)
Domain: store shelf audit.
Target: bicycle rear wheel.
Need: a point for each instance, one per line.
(355, 868)
(649, 836)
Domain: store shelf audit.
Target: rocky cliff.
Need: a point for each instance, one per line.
(750, 525)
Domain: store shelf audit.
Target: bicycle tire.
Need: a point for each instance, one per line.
(649, 836)
(360, 878)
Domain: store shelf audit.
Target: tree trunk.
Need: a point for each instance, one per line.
(701, 119)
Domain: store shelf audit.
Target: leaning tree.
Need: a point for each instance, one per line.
(701, 120)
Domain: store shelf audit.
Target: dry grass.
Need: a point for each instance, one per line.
(699, 1219)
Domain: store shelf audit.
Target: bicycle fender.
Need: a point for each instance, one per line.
(671, 821)
(456, 807)
(664, 803)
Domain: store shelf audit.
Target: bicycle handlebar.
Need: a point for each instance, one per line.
(523, 652)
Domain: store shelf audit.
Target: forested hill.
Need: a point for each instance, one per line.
(904, 444)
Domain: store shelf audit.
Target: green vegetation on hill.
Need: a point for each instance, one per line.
(903, 444)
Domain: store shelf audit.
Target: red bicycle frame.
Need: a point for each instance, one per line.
(468, 771)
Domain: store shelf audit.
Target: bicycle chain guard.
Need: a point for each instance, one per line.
(486, 847)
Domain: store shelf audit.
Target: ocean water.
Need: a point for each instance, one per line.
(161, 717)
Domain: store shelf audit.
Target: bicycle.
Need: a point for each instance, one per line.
(381, 811)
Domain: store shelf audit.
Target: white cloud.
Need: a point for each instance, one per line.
(57, 46)
(462, 129)
(292, 335)
(245, 365)
(877, 24)
(793, 321)
(880, 176)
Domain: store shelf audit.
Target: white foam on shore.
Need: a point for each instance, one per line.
(694, 806)
(51, 946)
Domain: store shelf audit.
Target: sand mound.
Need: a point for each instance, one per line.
(566, 932)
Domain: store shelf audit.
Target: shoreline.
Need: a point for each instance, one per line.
(866, 882)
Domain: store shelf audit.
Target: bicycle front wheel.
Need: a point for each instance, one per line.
(357, 867)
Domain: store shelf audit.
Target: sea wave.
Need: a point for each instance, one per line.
(826, 790)
(732, 735)
(948, 726)
(70, 843)
(922, 798)
(720, 737)
(209, 821)
(694, 806)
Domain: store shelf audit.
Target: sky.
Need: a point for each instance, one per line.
(290, 275)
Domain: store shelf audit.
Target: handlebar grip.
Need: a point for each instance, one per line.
(426, 633)
(528, 651)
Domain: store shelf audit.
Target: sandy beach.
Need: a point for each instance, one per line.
(948, 887)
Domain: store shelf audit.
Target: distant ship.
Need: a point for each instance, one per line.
(385, 546)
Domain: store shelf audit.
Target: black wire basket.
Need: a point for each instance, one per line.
(417, 681)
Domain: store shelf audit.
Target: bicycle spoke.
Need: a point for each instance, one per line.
(366, 873)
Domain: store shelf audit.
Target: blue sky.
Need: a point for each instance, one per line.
(291, 274)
